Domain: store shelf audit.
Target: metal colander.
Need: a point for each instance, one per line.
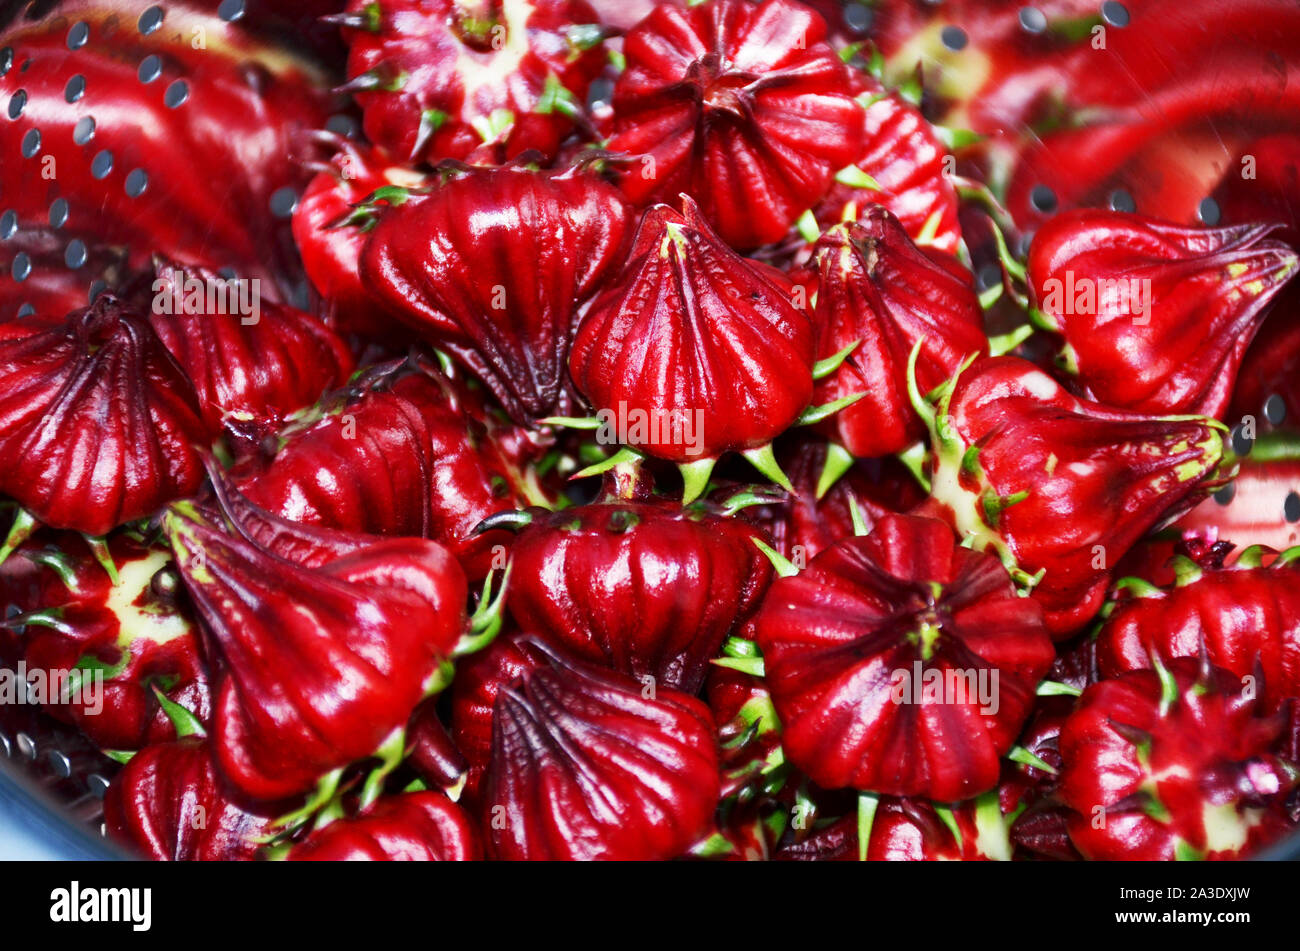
(52, 780)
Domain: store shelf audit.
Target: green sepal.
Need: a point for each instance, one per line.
(824, 368)
(838, 461)
(815, 414)
(183, 719)
(784, 567)
(763, 459)
(695, 478)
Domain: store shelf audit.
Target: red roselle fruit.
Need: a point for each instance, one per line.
(589, 764)
(484, 79)
(877, 290)
(110, 641)
(902, 167)
(330, 232)
(694, 351)
(413, 827)
(97, 425)
(170, 803)
(319, 667)
(479, 678)
(1155, 317)
(1173, 763)
(1246, 617)
(901, 663)
(1060, 488)
(253, 362)
(496, 266)
(742, 106)
(403, 451)
(640, 585)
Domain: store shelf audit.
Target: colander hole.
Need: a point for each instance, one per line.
(17, 103)
(1121, 200)
(150, 20)
(8, 224)
(601, 92)
(101, 164)
(78, 35)
(22, 266)
(1241, 443)
(137, 180)
(6, 60)
(74, 256)
(58, 212)
(1225, 495)
(59, 764)
(341, 124)
(1115, 13)
(989, 275)
(231, 10)
(26, 310)
(97, 287)
(6, 747)
(98, 785)
(283, 202)
(1043, 199)
(26, 745)
(1208, 211)
(227, 273)
(84, 130)
(1291, 507)
(31, 143)
(177, 92)
(1032, 20)
(1275, 409)
(857, 17)
(953, 38)
(150, 68)
(75, 89)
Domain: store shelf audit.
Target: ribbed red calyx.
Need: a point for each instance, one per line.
(1155, 317)
(901, 663)
(743, 106)
(641, 586)
(253, 362)
(1059, 485)
(318, 666)
(906, 168)
(170, 803)
(330, 233)
(589, 764)
(1245, 616)
(879, 290)
(411, 827)
(479, 678)
(496, 266)
(405, 450)
(693, 351)
(1174, 763)
(471, 79)
(97, 425)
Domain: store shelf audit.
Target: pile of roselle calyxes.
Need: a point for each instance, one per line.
(657, 431)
